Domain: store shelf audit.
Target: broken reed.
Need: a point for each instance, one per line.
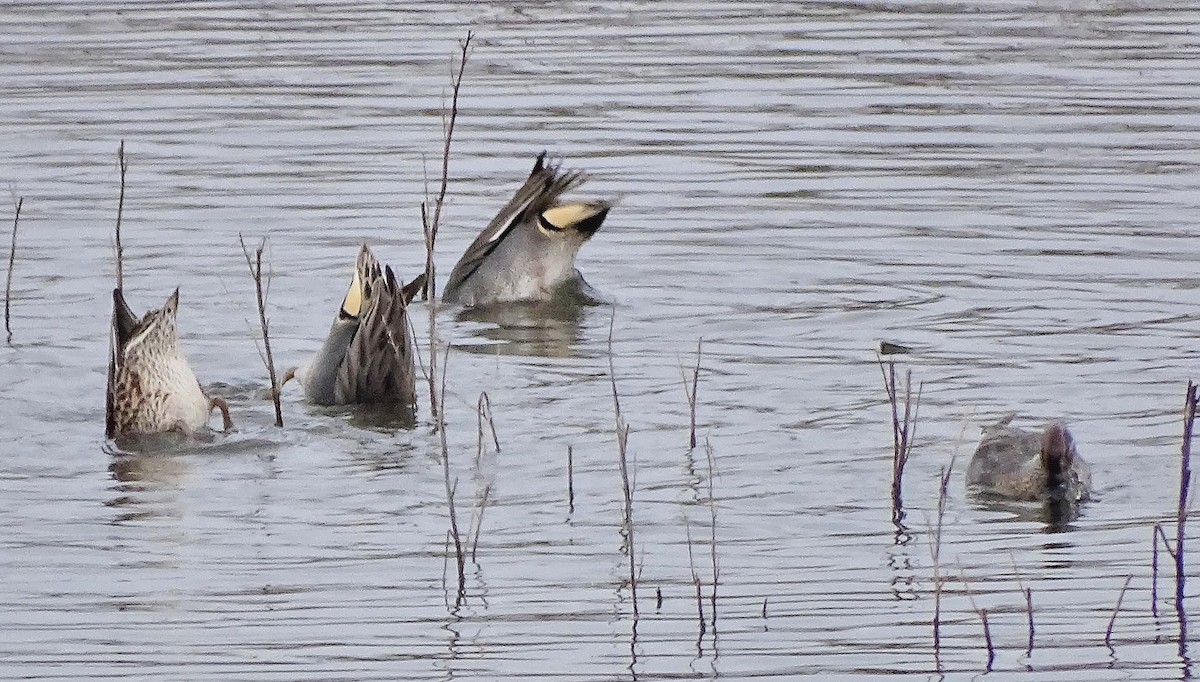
(12, 257)
(570, 480)
(935, 550)
(689, 390)
(483, 411)
(622, 430)
(904, 428)
(260, 294)
(712, 508)
(1113, 620)
(122, 166)
(451, 485)
(983, 617)
(1185, 480)
(687, 526)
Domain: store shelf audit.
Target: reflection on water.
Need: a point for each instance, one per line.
(550, 329)
(1008, 188)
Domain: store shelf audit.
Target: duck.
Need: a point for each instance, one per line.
(1029, 466)
(527, 252)
(368, 357)
(151, 387)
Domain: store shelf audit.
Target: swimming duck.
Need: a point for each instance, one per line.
(367, 357)
(151, 387)
(1022, 465)
(527, 252)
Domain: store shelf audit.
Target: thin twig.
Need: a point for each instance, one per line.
(1028, 594)
(123, 166)
(12, 257)
(983, 617)
(479, 520)
(1113, 620)
(1156, 534)
(429, 291)
(1185, 479)
(260, 294)
(690, 392)
(936, 552)
(904, 430)
(712, 508)
(483, 410)
(622, 450)
(687, 526)
(570, 480)
(451, 487)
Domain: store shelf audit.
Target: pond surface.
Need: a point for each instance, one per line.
(1011, 188)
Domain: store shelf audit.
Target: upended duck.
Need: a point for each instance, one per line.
(527, 252)
(368, 356)
(151, 388)
(1023, 465)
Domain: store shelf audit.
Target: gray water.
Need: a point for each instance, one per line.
(1008, 187)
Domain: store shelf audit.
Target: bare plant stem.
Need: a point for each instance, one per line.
(690, 391)
(1157, 534)
(478, 521)
(936, 552)
(1028, 594)
(484, 411)
(12, 257)
(1185, 479)
(1113, 620)
(627, 488)
(695, 581)
(570, 480)
(451, 486)
(260, 292)
(904, 431)
(983, 617)
(712, 509)
(123, 166)
(429, 291)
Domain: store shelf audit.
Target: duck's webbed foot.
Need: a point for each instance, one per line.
(220, 404)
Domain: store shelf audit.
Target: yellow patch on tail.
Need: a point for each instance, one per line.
(567, 216)
(353, 302)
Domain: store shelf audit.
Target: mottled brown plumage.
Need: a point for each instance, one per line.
(151, 387)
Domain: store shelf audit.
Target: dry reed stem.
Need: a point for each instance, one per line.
(260, 293)
(622, 430)
(570, 480)
(12, 257)
(936, 553)
(904, 431)
(1028, 594)
(712, 508)
(478, 521)
(483, 410)
(429, 291)
(123, 166)
(687, 526)
(1185, 479)
(690, 392)
(451, 487)
(1156, 534)
(983, 617)
(1113, 620)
